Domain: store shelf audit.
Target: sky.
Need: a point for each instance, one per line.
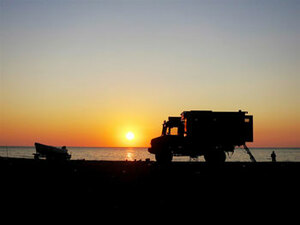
(84, 73)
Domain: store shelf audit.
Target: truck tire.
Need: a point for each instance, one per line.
(163, 157)
(215, 157)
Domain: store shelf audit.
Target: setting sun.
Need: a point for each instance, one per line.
(130, 135)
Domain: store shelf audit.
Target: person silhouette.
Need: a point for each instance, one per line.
(273, 156)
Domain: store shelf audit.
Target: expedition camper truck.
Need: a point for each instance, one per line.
(206, 133)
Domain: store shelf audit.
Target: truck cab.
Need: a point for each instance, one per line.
(174, 126)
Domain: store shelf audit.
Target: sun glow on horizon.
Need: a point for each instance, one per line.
(130, 136)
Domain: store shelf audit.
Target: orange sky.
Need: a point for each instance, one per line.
(80, 73)
(105, 129)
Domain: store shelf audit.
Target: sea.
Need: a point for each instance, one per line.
(142, 154)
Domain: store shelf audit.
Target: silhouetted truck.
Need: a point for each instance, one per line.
(206, 133)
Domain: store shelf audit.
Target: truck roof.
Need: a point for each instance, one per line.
(208, 112)
(201, 113)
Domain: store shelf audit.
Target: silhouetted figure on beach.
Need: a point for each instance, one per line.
(273, 156)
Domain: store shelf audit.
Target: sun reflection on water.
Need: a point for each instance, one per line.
(129, 156)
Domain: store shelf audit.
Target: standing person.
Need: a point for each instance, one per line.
(273, 156)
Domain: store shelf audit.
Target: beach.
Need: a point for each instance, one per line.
(147, 186)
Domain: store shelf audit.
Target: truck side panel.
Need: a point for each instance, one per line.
(219, 128)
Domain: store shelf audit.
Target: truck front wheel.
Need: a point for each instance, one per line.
(215, 157)
(164, 157)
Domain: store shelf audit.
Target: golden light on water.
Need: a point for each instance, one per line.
(129, 156)
(130, 136)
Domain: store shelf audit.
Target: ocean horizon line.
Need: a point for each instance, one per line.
(30, 146)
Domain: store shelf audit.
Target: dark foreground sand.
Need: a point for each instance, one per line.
(248, 188)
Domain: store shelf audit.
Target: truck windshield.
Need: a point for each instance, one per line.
(172, 128)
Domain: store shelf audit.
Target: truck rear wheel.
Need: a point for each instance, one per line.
(215, 157)
(164, 157)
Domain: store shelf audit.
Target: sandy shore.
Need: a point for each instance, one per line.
(149, 187)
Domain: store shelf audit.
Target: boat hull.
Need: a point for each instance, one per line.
(51, 152)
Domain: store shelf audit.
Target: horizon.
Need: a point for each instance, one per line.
(108, 73)
(238, 147)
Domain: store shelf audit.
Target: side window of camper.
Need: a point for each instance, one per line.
(174, 131)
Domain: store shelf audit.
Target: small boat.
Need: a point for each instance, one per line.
(51, 152)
